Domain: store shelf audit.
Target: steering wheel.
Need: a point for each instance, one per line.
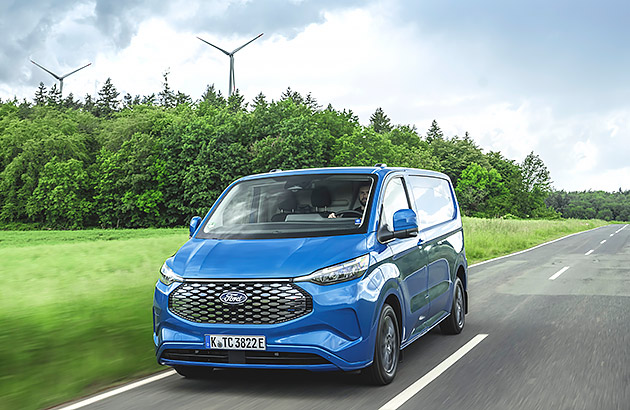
(349, 213)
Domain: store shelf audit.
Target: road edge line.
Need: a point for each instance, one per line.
(117, 391)
(534, 247)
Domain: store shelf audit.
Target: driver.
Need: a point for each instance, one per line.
(364, 194)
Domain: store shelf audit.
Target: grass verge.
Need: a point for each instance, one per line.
(489, 238)
(77, 314)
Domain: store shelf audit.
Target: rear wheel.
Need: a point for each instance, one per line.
(387, 349)
(454, 324)
(193, 372)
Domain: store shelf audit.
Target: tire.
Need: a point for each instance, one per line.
(387, 350)
(455, 322)
(193, 372)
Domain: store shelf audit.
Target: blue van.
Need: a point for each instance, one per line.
(316, 269)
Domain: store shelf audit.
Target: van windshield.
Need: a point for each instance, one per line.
(292, 207)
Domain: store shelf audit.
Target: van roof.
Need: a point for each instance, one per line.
(381, 171)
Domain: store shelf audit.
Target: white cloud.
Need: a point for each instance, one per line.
(585, 156)
(417, 68)
(581, 152)
(610, 180)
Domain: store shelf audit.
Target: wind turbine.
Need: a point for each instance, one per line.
(231, 55)
(60, 78)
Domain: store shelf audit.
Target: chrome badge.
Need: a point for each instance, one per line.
(233, 297)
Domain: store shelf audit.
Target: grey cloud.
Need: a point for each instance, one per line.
(284, 17)
(118, 20)
(569, 53)
(24, 32)
(27, 27)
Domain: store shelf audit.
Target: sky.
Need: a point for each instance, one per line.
(552, 77)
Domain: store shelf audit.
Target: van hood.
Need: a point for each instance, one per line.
(264, 258)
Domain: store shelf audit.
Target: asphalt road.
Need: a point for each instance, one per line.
(557, 339)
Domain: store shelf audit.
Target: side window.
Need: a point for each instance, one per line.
(395, 198)
(433, 200)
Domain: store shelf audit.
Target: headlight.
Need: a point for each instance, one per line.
(167, 276)
(338, 273)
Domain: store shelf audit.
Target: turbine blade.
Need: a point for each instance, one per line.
(64, 76)
(258, 36)
(47, 70)
(218, 48)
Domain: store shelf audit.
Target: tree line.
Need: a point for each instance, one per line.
(609, 206)
(157, 160)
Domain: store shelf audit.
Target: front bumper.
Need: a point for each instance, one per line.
(336, 335)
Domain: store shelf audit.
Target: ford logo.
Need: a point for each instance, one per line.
(233, 297)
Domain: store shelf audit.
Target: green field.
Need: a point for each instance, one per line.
(77, 317)
(488, 238)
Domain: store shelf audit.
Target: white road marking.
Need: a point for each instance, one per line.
(119, 390)
(560, 272)
(612, 234)
(422, 382)
(620, 229)
(603, 242)
(589, 252)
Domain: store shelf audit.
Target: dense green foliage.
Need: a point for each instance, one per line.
(155, 161)
(609, 206)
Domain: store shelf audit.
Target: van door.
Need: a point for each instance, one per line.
(410, 259)
(435, 207)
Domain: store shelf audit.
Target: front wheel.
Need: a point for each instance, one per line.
(387, 350)
(454, 324)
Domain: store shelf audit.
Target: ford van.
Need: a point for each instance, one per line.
(316, 269)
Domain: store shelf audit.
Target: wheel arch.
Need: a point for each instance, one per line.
(461, 274)
(393, 301)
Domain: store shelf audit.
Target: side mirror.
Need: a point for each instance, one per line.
(405, 224)
(194, 224)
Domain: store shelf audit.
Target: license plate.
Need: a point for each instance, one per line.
(233, 342)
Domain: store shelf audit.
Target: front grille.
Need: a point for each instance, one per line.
(267, 302)
(244, 357)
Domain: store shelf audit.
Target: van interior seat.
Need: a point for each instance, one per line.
(287, 203)
(320, 197)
